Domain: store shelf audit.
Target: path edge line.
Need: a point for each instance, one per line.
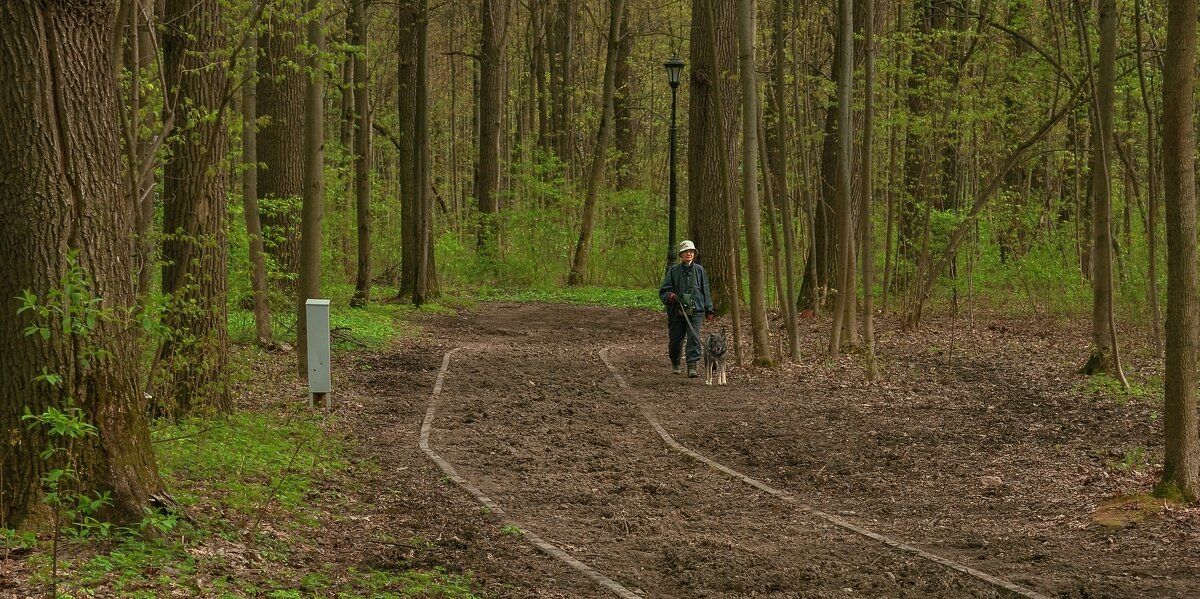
(448, 468)
(803, 507)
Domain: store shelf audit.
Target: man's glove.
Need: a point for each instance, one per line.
(671, 297)
(709, 316)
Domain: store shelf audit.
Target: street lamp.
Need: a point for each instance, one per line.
(674, 66)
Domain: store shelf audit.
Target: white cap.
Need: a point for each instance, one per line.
(686, 245)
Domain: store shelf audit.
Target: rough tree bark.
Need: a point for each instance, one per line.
(61, 190)
(281, 106)
(195, 241)
(712, 217)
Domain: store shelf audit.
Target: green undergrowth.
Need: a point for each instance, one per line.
(597, 296)
(1141, 390)
(369, 327)
(253, 490)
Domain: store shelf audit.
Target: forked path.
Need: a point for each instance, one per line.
(530, 417)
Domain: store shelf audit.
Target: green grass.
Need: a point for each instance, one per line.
(595, 296)
(225, 472)
(372, 326)
(1105, 385)
(247, 457)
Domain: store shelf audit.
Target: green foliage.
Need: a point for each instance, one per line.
(371, 326)
(245, 459)
(539, 229)
(225, 471)
(1106, 385)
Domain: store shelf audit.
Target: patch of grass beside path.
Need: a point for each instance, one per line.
(597, 296)
(254, 490)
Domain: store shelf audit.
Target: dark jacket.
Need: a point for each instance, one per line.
(689, 283)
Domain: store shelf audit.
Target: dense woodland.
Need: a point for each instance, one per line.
(170, 162)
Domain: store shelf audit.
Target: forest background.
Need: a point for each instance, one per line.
(181, 175)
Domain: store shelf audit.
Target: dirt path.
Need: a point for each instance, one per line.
(530, 415)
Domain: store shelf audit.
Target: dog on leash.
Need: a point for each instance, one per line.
(714, 358)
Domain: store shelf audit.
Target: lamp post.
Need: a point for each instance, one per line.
(674, 66)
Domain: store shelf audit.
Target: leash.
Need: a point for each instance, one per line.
(688, 319)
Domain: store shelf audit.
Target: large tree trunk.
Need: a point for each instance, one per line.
(362, 153)
(406, 107)
(308, 284)
(708, 224)
(713, 217)
(61, 191)
(750, 204)
(281, 105)
(195, 244)
(1181, 463)
(494, 16)
(600, 153)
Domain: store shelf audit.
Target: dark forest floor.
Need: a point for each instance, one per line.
(978, 444)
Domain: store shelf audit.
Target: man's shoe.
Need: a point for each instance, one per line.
(691, 370)
(675, 369)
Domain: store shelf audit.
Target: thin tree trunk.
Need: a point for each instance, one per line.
(562, 78)
(777, 156)
(845, 82)
(423, 199)
(750, 204)
(1152, 192)
(144, 53)
(600, 154)
(1105, 356)
(312, 212)
(258, 264)
(362, 153)
(868, 226)
(624, 135)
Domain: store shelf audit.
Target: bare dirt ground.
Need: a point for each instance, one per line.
(978, 444)
(992, 453)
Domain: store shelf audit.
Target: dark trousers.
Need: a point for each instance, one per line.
(677, 329)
